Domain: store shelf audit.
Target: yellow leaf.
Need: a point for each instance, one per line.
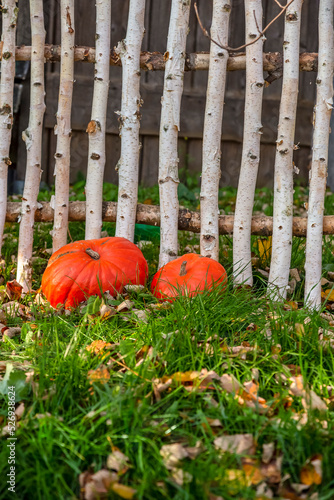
(311, 473)
(101, 375)
(293, 305)
(97, 346)
(123, 491)
(264, 247)
(253, 473)
(328, 295)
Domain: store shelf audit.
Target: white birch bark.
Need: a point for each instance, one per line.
(128, 166)
(169, 128)
(283, 181)
(211, 170)
(97, 126)
(63, 127)
(242, 267)
(9, 18)
(318, 173)
(33, 139)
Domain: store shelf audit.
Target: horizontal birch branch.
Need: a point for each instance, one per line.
(150, 215)
(154, 61)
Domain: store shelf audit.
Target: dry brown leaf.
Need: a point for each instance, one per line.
(101, 375)
(19, 411)
(230, 384)
(159, 387)
(268, 451)
(252, 473)
(172, 454)
(181, 476)
(13, 290)
(194, 451)
(328, 295)
(311, 472)
(3, 317)
(118, 461)
(96, 486)
(141, 315)
(126, 305)
(106, 312)
(98, 346)
(300, 329)
(237, 443)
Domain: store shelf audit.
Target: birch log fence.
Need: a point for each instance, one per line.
(174, 62)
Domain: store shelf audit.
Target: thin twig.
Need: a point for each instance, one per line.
(261, 33)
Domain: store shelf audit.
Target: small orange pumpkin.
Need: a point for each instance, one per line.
(84, 268)
(187, 275)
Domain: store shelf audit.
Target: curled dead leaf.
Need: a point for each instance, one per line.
(236, 443)
(311, 472)
(100, 375)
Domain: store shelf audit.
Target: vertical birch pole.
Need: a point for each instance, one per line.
(33, 139)
(169, 128)
(283, 183)
(63, 127)
(318, 173)
(242, 267)
(128, 166)
(9, 18)
(97, 126)
(213, 130)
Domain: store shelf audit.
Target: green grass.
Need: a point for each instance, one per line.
(70, 425)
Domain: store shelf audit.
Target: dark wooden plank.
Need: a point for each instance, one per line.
(150, 161)
(202, 43)
(192, 112)
(113, 153)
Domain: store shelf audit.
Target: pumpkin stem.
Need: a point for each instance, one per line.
(183, 271)
(92, 254)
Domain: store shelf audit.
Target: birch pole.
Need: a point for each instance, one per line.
(242, 267)
(283, 180)
(97, 126)
(128, 165)
(9, 19)
(33, 139)
(318, 173)
(169, 128)
(213, 130)
(63, 127)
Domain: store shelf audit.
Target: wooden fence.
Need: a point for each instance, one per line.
(171, 62)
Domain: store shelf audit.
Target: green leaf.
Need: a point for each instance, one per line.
(16, 379)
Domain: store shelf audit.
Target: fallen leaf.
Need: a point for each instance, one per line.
(328, 295)
(118, 461)
(106, 312)
(172, 454)
(237, 443)
(181, 476)
(101, 375)
(13, 290)
(98, 346)
(268, 451)
(126, 305)
(96, 486)
(123, 491)
(311, 472)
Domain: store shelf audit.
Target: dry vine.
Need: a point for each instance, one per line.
(261, 33)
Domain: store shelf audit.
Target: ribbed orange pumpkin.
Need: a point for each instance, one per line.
(84, 268)
(188, 275)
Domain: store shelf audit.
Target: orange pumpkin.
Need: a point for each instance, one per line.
(84, 268)
(188, 275)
